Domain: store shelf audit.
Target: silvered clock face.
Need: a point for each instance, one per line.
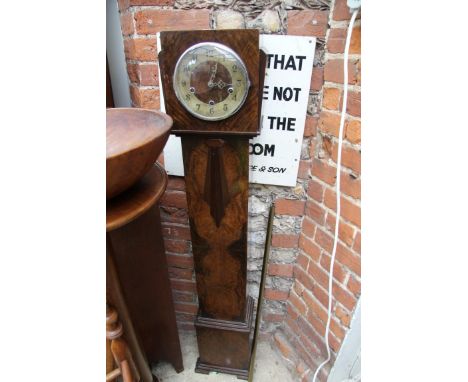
(211, 81)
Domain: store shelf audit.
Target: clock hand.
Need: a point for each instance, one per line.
(213, 75)
(221, 84)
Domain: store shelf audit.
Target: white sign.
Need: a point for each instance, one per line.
(275, 153)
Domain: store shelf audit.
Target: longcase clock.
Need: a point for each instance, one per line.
(212, 83)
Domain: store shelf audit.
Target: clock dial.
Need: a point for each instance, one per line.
(211, 81)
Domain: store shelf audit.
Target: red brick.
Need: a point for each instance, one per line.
(290, 207)
(174, 215)
(353, 104)
(315, 306)
(186, 308)
(180, 261)
(174, 199)
(140, 49)
(283, 345)
(308, 23)
(316, 80)
(353, 131)
(337, 330)
(276, 295)
(318, 274)
(310, 333)
(333, 71)
(350, 185)
(315, 211)
(317, 324)
(354, 286)
(343, 296)
(123, 5)
(342, 315)
(323, 171)
(345, 231)
(303, 171)
(176, 246)
(310, 248)
(176, 232)
(126, 23)
(310, 128)
(297, 303)
(303, 277)
(152, 21)
(284, 240)
(324, 240)
(176, 183)
(184, 286)
(341, 11)
(282, 270)
(349, 211)
(145, 98)
(180, 273)
(308, 227)
(357, 243)
(292, 314)
(321, 295)
(339, 274)
(335, 344)
(302, 260)
(329, 123)
(315, 190)
(331, 98)
(347, 258)
(336, 40)
(149, 75)
(337, 37)
(133, 73)
(152, 2)
(183, 297)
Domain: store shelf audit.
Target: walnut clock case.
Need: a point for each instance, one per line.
(212, 83)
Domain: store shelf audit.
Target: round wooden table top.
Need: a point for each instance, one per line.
(136, 200)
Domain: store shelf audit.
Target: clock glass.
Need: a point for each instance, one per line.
(211, 81)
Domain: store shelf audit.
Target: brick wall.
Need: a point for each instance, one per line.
(301, 338)
(295, 298)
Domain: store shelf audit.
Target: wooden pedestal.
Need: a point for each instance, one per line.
(136, 247)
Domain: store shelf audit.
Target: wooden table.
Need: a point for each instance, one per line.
(137, 276)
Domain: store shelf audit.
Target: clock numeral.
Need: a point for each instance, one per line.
(184, 83)
(211, 110)
(239, 81)
(234, 96)
(225, 107)
(234, 68)
(187, 97)
(198, 106)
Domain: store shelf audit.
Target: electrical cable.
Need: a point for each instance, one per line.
(338, 191)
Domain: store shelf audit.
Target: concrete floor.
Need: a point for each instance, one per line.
(268, 365)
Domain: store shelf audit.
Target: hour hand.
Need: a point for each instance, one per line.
(214, 69)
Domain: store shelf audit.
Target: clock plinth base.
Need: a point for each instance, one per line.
(225, 346)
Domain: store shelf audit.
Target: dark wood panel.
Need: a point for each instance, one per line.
(245, 44)
(138, 251)
(217, 194)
